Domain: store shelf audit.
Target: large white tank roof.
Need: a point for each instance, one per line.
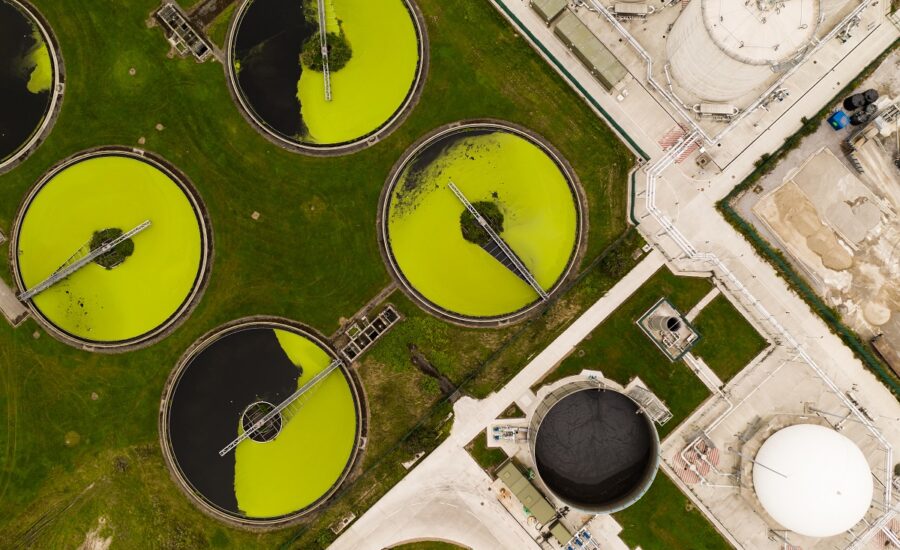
(721, 50)
(761, 31)
(813, 480)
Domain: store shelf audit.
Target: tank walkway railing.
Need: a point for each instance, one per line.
(256, 426)
(323, 39)
(70, 266)
(651, 404)
(513, 263)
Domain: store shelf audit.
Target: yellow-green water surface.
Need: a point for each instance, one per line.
(135, 297)
(307, 458)
(376, 80)
(40, 65)
(540, 221)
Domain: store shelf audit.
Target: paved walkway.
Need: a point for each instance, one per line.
(692, 314)
(12, 308)
(446, 496)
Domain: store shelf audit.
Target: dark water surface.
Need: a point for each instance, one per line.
(21, 112)
(239, 369)
(268, 43)
(594, 447)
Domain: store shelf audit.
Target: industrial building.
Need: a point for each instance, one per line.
(548, 10)
(602, 64)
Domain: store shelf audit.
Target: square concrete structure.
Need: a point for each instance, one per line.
(548, 10)
(602, 64)
(668, 329)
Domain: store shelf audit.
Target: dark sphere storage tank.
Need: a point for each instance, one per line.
(594, 448)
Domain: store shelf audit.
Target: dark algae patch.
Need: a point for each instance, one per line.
(115, 256)
(232, 381)
(225, 378)
(268, 44)
(24, 82)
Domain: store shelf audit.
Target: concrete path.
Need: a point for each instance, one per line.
(12, 308)
(692, 314)
(446, 496)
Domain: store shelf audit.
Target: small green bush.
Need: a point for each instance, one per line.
(472, 231)
(115, 256)
(339, 52)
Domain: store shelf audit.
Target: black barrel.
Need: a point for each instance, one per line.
(854, 102)
(871, 96)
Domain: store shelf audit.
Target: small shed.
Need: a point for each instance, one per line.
(601, 62)
(560, 533)
(548, 10)
(527, 494)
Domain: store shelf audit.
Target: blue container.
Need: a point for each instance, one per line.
(839, 120)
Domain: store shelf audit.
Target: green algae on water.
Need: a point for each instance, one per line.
(308, 457)
(536, 200)
(375, 81)
(38, 61)
(141, 294)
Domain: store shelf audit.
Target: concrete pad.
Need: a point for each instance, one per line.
(14, 311)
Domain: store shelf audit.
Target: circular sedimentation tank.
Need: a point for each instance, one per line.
(30, 70)
(378, 58)
(594, 448)
(514, 179)
(136, 293)
(274, 477)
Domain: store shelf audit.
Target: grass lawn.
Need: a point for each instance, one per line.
(487, 457)
(728, 341)
(664, 519)
(283, 264)
(620, 350)
(217, 31)
(513, 411)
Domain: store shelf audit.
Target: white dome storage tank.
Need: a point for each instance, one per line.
(720, 50)
(813, 480)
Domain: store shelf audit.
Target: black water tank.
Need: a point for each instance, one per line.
(854, 102)
(595, 450)
(871, 96)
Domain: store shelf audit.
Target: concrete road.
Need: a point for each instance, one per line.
(446, 496)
